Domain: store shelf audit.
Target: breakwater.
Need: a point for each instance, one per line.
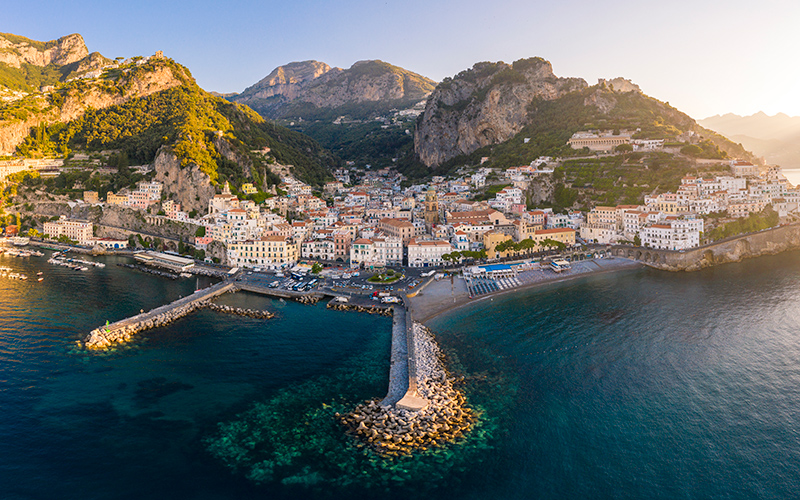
(154, 272)
(368, 308)
(395, 430)
(249, 313)
(122, 331)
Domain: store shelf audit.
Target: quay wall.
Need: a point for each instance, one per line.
(734, 249)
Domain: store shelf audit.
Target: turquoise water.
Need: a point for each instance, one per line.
(643, 384)
(639, 384)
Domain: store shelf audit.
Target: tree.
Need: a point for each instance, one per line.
(692, 150)
(637, 240)
(624, 148)
(201, 232)
(316, 268)
(550, 243)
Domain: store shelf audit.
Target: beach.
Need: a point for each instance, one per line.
(446, 295)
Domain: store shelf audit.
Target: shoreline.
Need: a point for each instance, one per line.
(464, 300)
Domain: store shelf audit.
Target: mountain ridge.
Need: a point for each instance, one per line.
(484, 107)
(307, 87)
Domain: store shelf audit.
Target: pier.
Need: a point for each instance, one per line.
(122, 331)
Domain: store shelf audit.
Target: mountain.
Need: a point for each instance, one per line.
(312, 89)
(26, 65)
(776, 138)
(484, 105)
(489, 109)
(151, 110)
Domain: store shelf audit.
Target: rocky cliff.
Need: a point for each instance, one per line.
(286, 81)
(296, 88)
(17, 50)
(484, 105)
(188, 186)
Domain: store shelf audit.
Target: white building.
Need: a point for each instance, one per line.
(318, 249)
(377, 252)
(427, 253)
(76, 230)
(153, 189)
(674, 233)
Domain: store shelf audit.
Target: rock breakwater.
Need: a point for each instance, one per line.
(308, 299)
(155, 272)
(343, 306)
(107, 336)
(394, 431)
(250, 313)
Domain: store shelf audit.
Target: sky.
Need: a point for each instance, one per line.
(703, 57)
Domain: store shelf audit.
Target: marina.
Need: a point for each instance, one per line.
(15, 252)
(60, 259)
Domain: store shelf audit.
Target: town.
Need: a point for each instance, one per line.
(375, 222)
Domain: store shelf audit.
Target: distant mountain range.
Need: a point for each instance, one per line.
(311, 89)
(776, 138)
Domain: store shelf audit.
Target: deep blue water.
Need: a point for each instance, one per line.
(639, 384)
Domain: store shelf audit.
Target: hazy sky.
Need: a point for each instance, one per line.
(704, 57)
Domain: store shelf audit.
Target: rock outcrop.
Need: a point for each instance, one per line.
(16, 50)
(188, 185)
(287, 81)
(294, 87)
(484, 105)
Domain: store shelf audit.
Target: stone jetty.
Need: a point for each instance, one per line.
(249, 313)
(104, 337)
(344, 306)
(393, 430)
(122, 331)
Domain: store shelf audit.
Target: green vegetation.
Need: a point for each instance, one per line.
(621, 179)
(491, 192)
(464, 254)
(552, 122)
(766, 219)
(704, 149)
(29, 78)
(386, 278)
(364, 143)
(192, 122)
(527, 246)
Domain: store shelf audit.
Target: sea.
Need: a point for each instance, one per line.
(634, 384)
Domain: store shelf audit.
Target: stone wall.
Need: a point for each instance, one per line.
(734, 249)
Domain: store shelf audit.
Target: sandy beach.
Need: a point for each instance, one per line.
(445, 295)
